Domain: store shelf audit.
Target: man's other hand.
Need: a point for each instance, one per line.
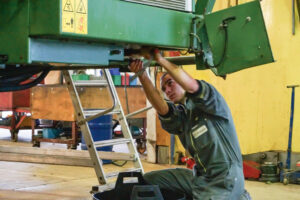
(136, 65)
(151, 53)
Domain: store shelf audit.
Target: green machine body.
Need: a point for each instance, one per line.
(102, 32)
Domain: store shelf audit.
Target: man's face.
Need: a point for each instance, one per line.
(172, 89)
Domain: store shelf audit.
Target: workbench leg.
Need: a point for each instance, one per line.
(32, 130)
(141, 142)
(74, 137)
(13, 130)
(34, 140)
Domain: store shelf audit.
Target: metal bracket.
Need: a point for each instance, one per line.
(197, 24)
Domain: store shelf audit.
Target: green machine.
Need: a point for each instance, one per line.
(105, 33)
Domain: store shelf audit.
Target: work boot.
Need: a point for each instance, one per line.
(245, 196)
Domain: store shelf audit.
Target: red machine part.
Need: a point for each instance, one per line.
(190, 162)
(12, 100)
(251, 169)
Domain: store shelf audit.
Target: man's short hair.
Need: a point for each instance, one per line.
(161, 78)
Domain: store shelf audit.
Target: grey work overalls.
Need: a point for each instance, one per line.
(206, 129)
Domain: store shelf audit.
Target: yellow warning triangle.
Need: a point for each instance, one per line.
(68, 6)
(81, 8)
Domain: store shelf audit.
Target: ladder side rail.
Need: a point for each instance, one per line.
(85, 128)
(123, 122)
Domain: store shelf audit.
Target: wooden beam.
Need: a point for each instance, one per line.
(56, 156)
(45, 159)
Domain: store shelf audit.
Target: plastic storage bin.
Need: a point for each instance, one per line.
(114, 71)
(101, 129)
(51, 133)
(116, 79)
(127, 79)
(77, 77)
(133, 82)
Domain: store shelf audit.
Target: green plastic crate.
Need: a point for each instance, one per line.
(77, 77)
(116, 79)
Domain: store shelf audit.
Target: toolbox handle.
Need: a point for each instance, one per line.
(146, 192)
(122, 175)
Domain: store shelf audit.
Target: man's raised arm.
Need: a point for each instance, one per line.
(152, 93)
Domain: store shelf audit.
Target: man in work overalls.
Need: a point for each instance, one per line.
(199, 115)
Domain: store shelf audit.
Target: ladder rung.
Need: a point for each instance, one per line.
(90, 83)
(105, 143)
(114, 174)
(110, 155)
(95, 112)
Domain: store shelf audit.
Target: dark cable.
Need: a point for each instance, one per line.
(13, 71)
(17, 86)
(224, 26)
(14, 80)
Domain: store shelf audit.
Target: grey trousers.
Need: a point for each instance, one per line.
(197, 187)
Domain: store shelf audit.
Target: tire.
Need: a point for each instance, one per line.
(285, 181)
(141, 146)
(72, 146)
(36, 144)
(14, 135)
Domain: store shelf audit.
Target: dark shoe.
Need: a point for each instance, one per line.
(245, 196)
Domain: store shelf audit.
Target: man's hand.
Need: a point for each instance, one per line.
(151, 53)
(136, 65)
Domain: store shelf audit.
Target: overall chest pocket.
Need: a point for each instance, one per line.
(201, 135)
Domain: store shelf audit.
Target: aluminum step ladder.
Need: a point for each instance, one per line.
(82, 118)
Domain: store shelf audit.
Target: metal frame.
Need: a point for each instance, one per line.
(83, 123)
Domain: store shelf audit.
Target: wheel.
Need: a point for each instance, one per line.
(141, 146)
(72, 146)
(36, 144)
(285, 181)
(14, 135)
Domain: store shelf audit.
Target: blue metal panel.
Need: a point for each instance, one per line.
(44, 50)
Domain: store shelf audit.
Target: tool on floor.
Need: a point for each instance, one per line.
(83, 116)
(288, 175)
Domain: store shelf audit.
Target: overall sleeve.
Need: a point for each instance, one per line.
(209, 100)
(172, 122)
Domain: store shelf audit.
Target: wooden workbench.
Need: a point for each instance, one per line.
(53, 102)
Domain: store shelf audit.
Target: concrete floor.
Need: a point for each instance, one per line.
(41, 181)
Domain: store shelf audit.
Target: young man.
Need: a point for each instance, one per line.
(199, 115)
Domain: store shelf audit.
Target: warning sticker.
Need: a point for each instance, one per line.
(68, 6)
(81, 17)
(74, 16)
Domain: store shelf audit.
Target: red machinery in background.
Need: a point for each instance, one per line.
(251, 169)
(18, 103)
